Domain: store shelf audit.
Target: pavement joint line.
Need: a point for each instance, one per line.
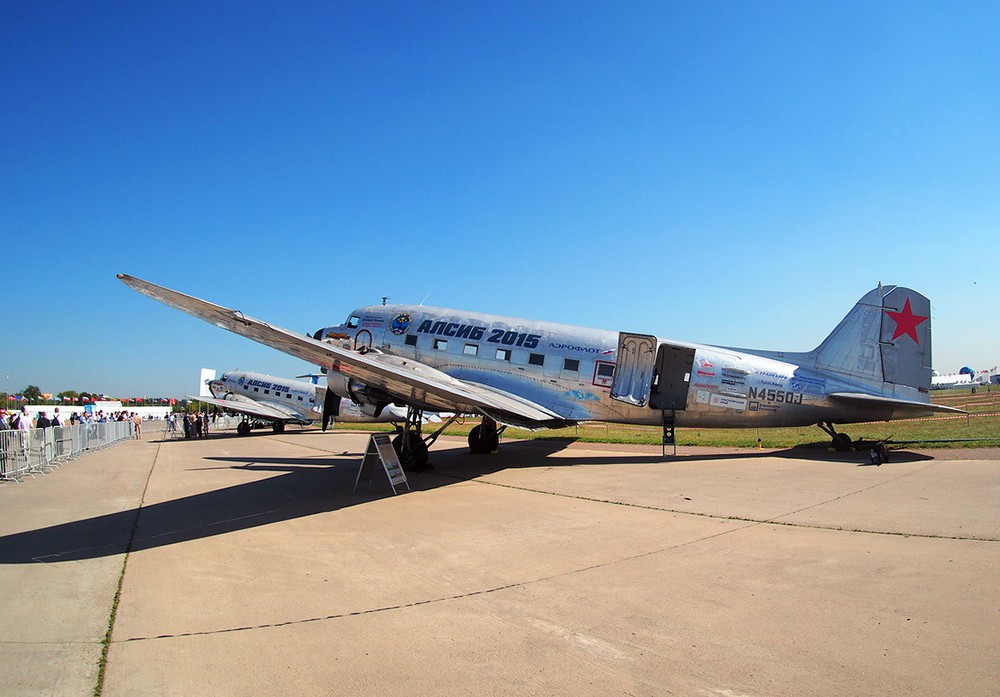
(859, 491)
(765, 521)
(774, 520)
(106, 642)
(440, 599)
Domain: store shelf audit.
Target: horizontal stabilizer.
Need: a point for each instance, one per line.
(901, 405)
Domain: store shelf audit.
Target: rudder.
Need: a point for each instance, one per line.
(885, 340)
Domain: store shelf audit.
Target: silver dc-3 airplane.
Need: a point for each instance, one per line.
(874, 366)
(281, 401)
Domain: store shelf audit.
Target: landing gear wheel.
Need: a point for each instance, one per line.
(278, 427)
(483, 440)
(413, 458)
(243, 428)
(841, 441)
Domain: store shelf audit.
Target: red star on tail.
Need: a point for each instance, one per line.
(906, 322)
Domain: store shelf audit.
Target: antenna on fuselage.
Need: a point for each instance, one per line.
(426, 296)
(384, 298)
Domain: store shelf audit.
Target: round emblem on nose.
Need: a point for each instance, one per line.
(399, 323)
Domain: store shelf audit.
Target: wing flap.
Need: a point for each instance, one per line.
(407, 381)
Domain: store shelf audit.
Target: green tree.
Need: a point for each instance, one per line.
(31, 393)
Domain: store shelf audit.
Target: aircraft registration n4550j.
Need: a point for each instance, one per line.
(875, 365)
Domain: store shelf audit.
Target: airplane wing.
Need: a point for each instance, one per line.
(901, 405)
(250, 407)
(403, 379)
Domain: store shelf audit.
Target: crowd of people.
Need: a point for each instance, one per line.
(194, 425)
(22, 420)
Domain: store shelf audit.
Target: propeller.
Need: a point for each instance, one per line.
(331, 407)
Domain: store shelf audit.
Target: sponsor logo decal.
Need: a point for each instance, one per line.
(718, 400)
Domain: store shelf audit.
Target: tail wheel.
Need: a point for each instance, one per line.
(243, 428)
(278, 427)
(841, 441)
(482, 440)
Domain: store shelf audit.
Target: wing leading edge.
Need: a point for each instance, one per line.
(248, 407)
(405, 380)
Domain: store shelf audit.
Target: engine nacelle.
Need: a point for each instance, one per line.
(372, 400)
(337, 383)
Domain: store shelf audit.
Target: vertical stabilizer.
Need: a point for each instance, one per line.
(207, 375)
(885, 340)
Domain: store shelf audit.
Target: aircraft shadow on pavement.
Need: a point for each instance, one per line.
(303, 487)
(528, 453)
(309, 486)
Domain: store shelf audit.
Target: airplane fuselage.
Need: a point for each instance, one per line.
(297, 399)
(572, 370)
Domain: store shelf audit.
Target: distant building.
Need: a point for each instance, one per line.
(947, 382)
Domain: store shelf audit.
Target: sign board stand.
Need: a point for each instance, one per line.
(380, 449)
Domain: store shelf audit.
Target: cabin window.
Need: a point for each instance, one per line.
(503, 354)
(571, 364)
(353, 322)
(536, 359)
(256, 389)
(411, 339)
(267, 391)
(288, 395)
(471, 350)
(300, 399)
(440, 344)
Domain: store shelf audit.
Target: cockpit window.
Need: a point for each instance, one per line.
(353, 322)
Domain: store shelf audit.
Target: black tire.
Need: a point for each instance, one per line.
(278, 427)
(414, 459)
(243, 428)
(841, 441)
(883, 452)
(481, 444)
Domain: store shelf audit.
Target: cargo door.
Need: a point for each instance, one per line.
(673, 377)
(634, 370)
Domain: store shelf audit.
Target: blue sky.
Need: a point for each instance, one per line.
(731, 173)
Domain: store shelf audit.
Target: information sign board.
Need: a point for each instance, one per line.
(380, 449)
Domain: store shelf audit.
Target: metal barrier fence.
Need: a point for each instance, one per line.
(27, 452)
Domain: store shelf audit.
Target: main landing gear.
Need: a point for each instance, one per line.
(410, 444)
(485, 438)
(244, 426)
